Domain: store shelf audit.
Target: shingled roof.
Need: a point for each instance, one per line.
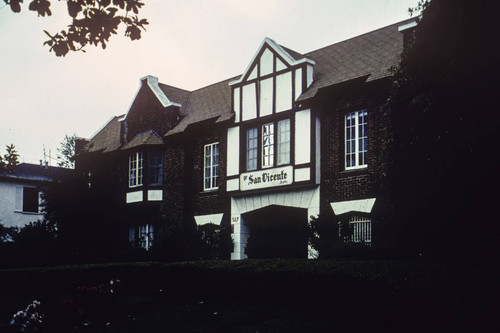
(107, 139)
(146, 138)
(369, 55)
(212, 102)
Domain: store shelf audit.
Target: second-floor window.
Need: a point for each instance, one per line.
(356, 139)
(211, 167)
(274, 146)
(252, 149)
(135, 167)
(268, 145)
(155, 167)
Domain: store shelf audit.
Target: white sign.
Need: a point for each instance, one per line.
(266, 178)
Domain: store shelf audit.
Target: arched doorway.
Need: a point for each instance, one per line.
(277, 232)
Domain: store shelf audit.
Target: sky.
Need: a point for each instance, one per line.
(188, 44)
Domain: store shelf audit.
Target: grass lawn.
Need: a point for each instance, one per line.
(255, 296)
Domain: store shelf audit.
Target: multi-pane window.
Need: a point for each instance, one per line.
(356, 139)
(146, 236)
(252, 149)
(268, 145)
(361, 229)
(135, 163)
(211, 169)
(274, 147)
(284, 142)
(155, 167)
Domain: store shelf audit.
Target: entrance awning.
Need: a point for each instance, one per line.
(362, 206)
(206, 219)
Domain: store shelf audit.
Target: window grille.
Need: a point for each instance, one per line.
(268, 145)
(211, 167)
(284, 142)
(356, 139)
(252, 149)
(361, 229)
(135, 169)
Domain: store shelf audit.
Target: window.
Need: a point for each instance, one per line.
(135, 162)
(252, 149)
(356, 139)
(284, 142)
(268, 145)
(143, 234)
(211, 169)
(275, 147)
(146, 236)
(27, 199)
(361, 229)
(155, 167)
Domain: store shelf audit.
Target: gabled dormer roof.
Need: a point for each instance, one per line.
(147, 138)
(159, 92)
(290, 57)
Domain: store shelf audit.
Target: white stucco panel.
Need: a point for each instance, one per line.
(155, 195)
(362, 206)
(136, 196)
(303, 131)
(232, 185)
(233, 151)
(206, 219)
(266, 97)
(266, 62)
(298, 83)
(302, 174)
(236, 104)
(249, 102)
(284, 92)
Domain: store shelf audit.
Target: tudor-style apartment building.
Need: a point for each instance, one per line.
(294, 136)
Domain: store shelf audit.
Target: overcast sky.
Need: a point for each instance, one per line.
(188, 44)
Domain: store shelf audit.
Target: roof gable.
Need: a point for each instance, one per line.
(264, 57)
(151, 82)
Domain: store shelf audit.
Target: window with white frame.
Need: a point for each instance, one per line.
(211, 168)
(268, 145)
(274, 146)
(135, 163)
(27, 199)
(155, 167)
(146, 236)
(284, 142)
(252, 149)
(356, 139)
(361, 229)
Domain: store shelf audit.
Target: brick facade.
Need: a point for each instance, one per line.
(181, 123)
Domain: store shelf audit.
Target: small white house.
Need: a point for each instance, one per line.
(20, 201)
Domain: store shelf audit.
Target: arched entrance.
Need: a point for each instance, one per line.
(277, 232)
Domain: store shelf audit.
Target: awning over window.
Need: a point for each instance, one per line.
(206, 219)
(362, 206)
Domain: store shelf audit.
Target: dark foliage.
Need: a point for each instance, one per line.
(9, 160)
(66, 152)
(444, 171)
(329, 236)
(88, 219)
(348, 295)
(92, 22)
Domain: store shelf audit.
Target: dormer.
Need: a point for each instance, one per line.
(151, 109)
(272, 82)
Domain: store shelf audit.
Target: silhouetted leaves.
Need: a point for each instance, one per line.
(93, 22)
(443, 165)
